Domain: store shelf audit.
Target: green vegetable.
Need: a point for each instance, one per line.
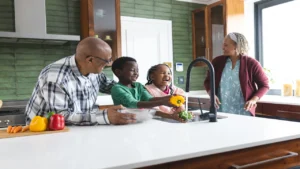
(185, 115)
(50, 114)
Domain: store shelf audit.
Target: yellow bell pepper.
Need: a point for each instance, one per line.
(38, 123)
(177, 100)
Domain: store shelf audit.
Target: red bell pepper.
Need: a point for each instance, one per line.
(57, 122)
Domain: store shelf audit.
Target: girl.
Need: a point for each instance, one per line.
(160, 85)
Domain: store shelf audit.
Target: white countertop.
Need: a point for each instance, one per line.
(107, 100)
(143, 144)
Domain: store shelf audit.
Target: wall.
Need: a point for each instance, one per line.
(180, 14)
(20, 64)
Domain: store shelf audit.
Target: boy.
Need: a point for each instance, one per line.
(132, 94)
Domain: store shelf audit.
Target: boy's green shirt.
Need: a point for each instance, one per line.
(129, 97)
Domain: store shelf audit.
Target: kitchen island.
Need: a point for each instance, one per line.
(155, 142)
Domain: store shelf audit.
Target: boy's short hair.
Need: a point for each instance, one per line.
(120, 62)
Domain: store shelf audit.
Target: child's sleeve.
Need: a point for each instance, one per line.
(146, 96)
(123, 97)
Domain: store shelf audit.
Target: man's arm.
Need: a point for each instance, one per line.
(105, 83)
(59, 101)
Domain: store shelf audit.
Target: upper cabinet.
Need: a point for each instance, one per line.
(101, 18)
(211, 23)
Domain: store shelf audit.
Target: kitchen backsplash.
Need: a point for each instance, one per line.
(20, 64)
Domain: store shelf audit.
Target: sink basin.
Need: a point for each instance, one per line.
(197, 117)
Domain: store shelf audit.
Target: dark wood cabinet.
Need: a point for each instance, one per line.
(211, 23)
(101, 18)
(280, 111)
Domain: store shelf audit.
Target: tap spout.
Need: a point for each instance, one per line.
(213, 110)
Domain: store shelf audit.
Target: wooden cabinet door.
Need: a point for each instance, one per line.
(200, 34)
(102, 19)
(216, 29)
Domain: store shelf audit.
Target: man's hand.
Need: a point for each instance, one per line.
(115, 117)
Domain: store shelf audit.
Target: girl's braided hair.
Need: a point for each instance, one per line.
(152, 70)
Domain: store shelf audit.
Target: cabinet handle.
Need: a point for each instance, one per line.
(290, 154)
(282, 111)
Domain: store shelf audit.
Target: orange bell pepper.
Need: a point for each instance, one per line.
(177, 100)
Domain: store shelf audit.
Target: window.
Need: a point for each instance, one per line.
(277, 34)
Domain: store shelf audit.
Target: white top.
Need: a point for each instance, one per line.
(142, 144)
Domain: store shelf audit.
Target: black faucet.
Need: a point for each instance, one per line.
(213, 111)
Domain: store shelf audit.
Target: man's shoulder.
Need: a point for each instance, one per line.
(56, 72)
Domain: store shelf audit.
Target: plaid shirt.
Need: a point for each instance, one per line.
(63, 89)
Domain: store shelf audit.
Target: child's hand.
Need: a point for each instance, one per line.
(177, 100)
(175, 116)
(166, 101)
(178, 109)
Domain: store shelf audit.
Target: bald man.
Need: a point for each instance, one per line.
(70, 87)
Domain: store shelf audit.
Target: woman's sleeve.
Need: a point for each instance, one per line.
(261, 80)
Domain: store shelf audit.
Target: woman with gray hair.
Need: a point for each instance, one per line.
(239, 79)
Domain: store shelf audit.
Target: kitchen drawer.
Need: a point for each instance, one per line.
(289, 112)
(194, 103)
(259, 108)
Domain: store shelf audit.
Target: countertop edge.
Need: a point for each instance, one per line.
(205, 153)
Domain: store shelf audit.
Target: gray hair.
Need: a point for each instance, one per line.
(240, 41)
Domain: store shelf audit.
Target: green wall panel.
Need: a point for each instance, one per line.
(7, 16)
(63, 17)
(20, 65)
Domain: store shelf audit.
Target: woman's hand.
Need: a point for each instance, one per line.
(251, 103)
(217, 102)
